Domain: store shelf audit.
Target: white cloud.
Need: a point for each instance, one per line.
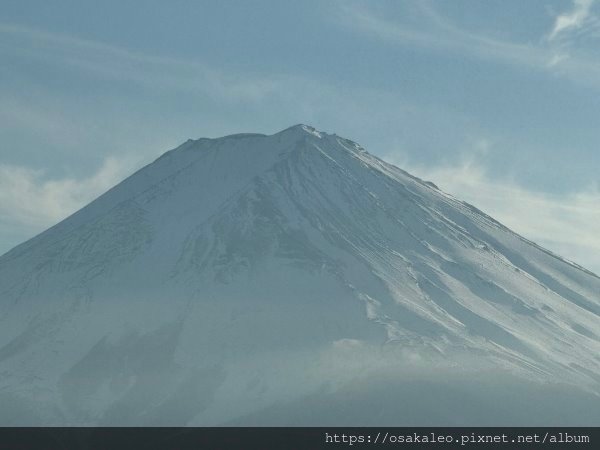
(565, 224)
(568, 42)
(573, 19)
(29, 202)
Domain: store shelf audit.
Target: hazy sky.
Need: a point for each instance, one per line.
(496, 102)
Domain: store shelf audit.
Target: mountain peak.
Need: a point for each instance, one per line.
(302, 129)
(228, 270)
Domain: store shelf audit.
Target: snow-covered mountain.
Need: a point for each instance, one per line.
(292, 279)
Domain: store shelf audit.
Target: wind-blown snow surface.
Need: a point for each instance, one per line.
(292, 279)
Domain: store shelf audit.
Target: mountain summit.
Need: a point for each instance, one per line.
(291, 279)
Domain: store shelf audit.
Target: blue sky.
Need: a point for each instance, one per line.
(496, 102)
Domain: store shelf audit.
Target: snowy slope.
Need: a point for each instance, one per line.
(235, 279)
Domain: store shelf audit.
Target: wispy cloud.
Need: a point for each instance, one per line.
(429, 29)
(573, 19)
(438, 33)
(435, 31)
(237, 91)
(569, 36)
(116, 63)
(196, 79)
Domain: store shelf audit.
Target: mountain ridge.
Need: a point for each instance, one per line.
(306, 128)
(298, 250)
